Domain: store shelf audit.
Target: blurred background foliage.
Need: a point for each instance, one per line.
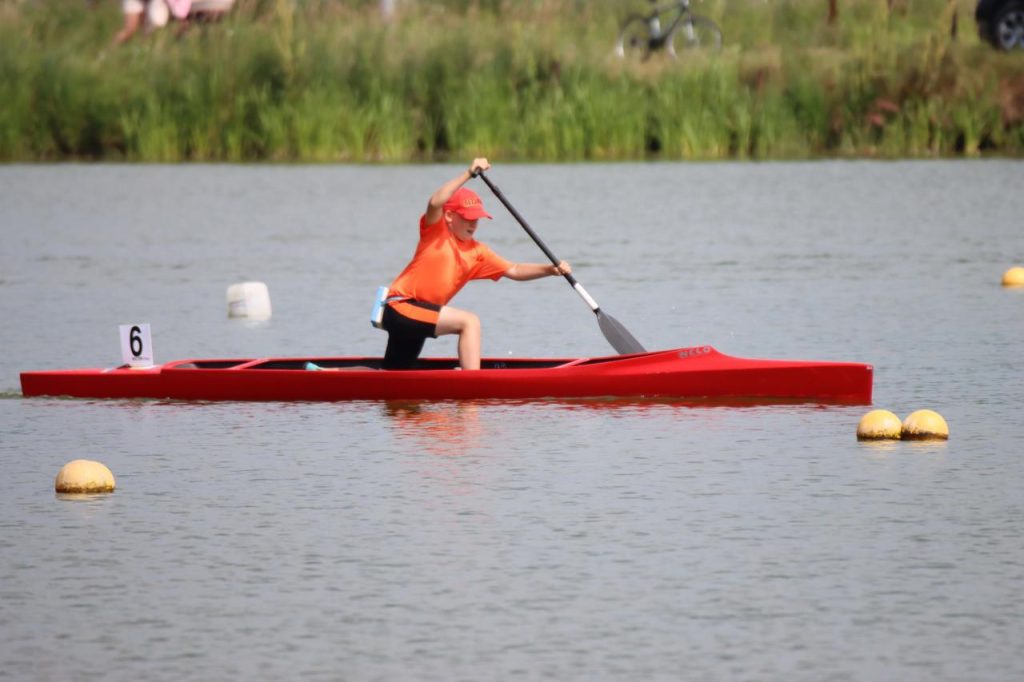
(333, 80)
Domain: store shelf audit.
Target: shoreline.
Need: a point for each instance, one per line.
(336, 85)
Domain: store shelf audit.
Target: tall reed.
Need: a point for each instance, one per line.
(326, 81)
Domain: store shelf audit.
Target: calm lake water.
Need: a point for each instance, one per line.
(584, 540)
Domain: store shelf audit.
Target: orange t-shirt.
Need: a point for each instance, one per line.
(443, 264)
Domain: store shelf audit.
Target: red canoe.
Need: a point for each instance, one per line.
(692, 373)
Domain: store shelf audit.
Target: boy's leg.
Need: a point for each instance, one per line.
(408, 324)
(467, 326)
(402, 351)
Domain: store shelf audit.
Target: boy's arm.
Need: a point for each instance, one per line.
(436, 204)
(522, 272)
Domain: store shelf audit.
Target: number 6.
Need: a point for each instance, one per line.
(135, 340)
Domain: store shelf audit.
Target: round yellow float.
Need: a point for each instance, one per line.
(879, 425)
(925, 425)
(84, 476)
(1014, 277)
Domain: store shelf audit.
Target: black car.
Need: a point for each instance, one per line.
(1001, 22)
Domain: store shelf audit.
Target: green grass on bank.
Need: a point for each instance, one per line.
(328, 80)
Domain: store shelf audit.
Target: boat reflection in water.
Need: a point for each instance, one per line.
(448, 446)
(448, 428)
(461, 428)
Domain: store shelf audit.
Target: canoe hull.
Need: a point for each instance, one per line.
(691, 373)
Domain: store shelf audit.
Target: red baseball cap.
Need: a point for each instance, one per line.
(467, 204)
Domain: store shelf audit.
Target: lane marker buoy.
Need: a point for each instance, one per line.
(84, 476)
(250, 300)
(879, 425)
(925, 425)
(1014, 277)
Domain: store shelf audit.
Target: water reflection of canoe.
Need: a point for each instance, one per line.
(700, 372)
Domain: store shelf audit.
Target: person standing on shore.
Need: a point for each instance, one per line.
(155, 14)
(446, 258)
(134, 12)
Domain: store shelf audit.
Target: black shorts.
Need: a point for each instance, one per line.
(406, 335)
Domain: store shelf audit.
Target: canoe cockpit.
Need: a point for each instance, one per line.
(366, 364)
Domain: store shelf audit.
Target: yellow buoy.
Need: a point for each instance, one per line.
(925, 425)
(1014, 277)
(879, 425)
(84, 476)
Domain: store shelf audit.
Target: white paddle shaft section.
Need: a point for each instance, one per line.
(585, 296)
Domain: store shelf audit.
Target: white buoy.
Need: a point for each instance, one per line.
(250, 300)
(84, 476)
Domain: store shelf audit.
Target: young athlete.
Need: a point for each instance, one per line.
(446, 258)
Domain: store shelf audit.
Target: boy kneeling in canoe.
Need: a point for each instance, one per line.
(446, 258)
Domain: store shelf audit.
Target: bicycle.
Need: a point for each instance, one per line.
(640, 35)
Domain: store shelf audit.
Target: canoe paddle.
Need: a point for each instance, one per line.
(622, 341)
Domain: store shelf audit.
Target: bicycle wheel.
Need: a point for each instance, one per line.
(634, 41)
(695, 33)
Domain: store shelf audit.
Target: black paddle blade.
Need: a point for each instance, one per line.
(622, 341)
